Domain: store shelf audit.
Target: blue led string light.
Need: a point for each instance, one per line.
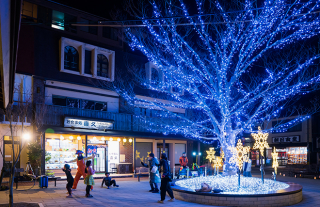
(224, 94)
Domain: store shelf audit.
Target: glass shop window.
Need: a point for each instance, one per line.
(59, 100)
(87, 104)
(57, 20)
(29, 11)
(73, 103)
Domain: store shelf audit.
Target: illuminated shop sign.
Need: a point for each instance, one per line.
(87, 124)
(286, 139)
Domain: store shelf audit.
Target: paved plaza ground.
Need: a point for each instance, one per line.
(130, 193)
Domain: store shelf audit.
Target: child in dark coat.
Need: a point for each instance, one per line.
(67, 170)
(108, 181)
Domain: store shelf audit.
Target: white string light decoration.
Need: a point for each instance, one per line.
(239, 155)
(260, 141)
(211, 154)
(275, 163)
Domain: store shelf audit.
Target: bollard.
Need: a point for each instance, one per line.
(205, 171)
(187, 172)
(174, 172)
(138, 177)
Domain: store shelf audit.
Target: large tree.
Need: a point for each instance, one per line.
(232, 67)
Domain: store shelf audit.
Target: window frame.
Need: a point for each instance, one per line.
(95, 50)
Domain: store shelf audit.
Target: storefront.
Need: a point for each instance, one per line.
(61, 149)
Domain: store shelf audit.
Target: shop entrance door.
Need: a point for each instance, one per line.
(100, 161)
(8, 156)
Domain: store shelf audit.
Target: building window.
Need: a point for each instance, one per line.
(79, 103)
(59, 100)
(102, 66)
(110, 33)
(44, 16)
(89, 29)
(57, 20)
(29, 11)
(71, 58)
(68, 21)
(87, 62)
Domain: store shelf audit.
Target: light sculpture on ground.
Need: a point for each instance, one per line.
(261, 144)
(275, 163)
(211, 154)
(230, 70)
(239, 156)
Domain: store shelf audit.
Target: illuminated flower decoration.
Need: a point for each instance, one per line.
(211, 154)
(261, 141)
(222, 154)
(239, 154)
(275, 163)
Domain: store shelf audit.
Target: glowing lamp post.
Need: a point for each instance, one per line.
(261, 143)
(275, 163)
(239, 155)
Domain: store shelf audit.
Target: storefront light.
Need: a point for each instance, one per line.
(79, 138)
(118, 139)
(111, 139)
(94, 138)
(130, 141)
(61, 137)
(71, 137)
(124, 141)
(102, 138)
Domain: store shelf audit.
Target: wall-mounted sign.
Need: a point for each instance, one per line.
(286, 139)
(87, 124)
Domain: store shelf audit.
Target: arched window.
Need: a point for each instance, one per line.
(155, 76)
(71, 58)
(102, 66)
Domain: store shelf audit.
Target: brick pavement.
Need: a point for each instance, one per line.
(130, 193)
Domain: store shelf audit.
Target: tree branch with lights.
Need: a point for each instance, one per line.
(228, 68)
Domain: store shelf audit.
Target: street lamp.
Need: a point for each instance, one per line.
(26, 136)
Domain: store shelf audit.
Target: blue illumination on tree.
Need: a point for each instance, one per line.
(236, 68)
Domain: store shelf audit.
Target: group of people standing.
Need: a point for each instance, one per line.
(155, 174)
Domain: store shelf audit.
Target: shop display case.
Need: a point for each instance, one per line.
(61, 152)
(297, 155)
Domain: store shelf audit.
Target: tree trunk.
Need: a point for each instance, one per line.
(1, 176)
(12, 167)
(229, 168)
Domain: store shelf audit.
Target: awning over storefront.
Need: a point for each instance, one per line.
(65, 130)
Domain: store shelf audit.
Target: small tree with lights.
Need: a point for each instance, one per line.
(230, 68)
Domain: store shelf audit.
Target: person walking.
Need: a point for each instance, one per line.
(67, 170)
(88, 180)
(165, 179)
(154, 173)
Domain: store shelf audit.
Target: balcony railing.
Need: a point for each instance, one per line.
(123, 122)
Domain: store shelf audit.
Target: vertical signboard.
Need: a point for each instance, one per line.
(113, 155)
